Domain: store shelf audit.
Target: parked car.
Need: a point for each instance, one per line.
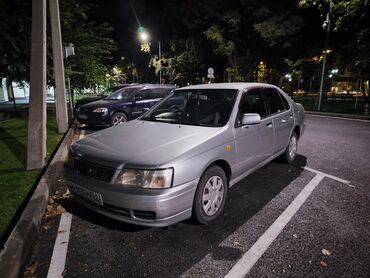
(123, 105)
(102, 95)
(179, 159)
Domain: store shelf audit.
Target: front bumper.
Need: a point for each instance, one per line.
(146, 207)
(92, 118)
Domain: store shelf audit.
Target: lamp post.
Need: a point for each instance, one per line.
(144, 37)
(325, 26)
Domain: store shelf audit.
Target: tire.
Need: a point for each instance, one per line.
(118, 118)
(291, 150)
(205, 211)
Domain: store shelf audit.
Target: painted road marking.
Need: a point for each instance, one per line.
(58, 259)
(244, 265)
(327, 175)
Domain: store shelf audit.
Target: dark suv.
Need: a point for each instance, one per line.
(123, 105)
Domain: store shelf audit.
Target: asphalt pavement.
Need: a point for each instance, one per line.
(309, 219)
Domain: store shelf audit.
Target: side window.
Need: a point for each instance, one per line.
(252, 102)
(286, 103)
(143, 94)
(275, 104)
(159, 93)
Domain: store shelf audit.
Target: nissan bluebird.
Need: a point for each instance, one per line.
(181, 157)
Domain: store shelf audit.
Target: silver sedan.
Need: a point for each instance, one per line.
(180, 158)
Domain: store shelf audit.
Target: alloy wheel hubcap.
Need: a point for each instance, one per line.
(213, 194)
(118, 120)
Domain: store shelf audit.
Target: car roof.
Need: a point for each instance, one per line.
(148, 86)
(232, 86)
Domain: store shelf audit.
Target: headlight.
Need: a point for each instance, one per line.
(101, 110)
(146, 178)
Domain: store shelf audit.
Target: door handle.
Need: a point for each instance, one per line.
(269, 125)
(283, 120)
(291, 116)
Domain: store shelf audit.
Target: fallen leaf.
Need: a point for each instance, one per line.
(31, 270)
(323, 263)
(236, 243)
(295, 236)
(325, 252)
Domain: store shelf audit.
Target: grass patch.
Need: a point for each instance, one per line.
(15, 181)
(330, 105)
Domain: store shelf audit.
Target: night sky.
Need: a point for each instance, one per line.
(152, 14)
(119, 14)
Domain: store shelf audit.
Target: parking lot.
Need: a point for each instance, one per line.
(308, 219)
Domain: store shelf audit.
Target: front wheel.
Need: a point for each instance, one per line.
(118, 118)
(291, 150)
(210, 196)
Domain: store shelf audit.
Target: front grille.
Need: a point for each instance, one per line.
(93, 170)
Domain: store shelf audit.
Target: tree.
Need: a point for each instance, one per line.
(92, 43)
(15, 29)
(351, 24)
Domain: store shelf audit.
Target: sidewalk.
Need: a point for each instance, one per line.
(340, 115)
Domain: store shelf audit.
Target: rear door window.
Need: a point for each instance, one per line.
(273, 100)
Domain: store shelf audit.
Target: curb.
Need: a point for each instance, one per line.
(19, 244)
(339, 115)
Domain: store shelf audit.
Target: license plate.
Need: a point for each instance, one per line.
(90, 195)
(82, 116)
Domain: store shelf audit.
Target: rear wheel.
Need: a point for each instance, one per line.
(210, 196)
(291, 150)
(118, 118)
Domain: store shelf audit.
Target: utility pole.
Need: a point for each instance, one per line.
(325, 26)
(60, 95)
(36, 142)
(160, 62)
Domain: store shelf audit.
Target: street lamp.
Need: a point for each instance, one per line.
(325, 26)
(144, 37)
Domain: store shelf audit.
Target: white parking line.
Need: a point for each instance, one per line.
(58, 259)
(244, 265)
(327, 175)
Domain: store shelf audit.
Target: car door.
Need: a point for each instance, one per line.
(254, 143)
(282, 116)
(140, 101)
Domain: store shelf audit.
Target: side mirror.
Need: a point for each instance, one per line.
(250, 119)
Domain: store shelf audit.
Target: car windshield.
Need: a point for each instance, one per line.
(106, 92)
(203, 107)
(122, 93)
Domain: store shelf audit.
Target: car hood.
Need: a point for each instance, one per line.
(102, 103)
(87, 100)
(142, 143)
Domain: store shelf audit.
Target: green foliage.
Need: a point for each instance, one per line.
(91, 42)
(222, 45)
(15, 30)
(350, 20)
(181, 63)
(278, 29)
